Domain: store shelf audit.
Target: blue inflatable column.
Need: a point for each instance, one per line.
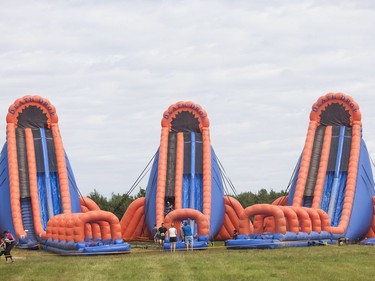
(336, 179)
(47, 175)
(192, 179)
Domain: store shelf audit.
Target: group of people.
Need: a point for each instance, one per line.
(6, 245)
(162, 232)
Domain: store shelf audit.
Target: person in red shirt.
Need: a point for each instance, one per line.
(9, 240)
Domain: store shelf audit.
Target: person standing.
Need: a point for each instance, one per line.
(155, 234)
(182, 232)
(162, 232)
(172, 232)
(2, 246)
(8, 239)
(170, 207)
(188, 236)
(235, 234)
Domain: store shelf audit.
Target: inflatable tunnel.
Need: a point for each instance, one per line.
(185, 181)
(331, 195)
(39, 199)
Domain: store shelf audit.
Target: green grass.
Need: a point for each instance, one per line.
(350, 262)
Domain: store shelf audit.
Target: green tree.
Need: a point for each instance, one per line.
(246, 198)
(261, 197)
(99, 199)
(119, 203)
(141, 193)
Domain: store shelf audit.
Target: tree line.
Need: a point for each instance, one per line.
(261, 197)
(118, 203)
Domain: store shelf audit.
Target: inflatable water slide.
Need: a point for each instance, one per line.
(185, 175)
(39, 200)
(332, 192)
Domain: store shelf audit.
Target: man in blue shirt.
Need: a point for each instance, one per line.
(186, 229)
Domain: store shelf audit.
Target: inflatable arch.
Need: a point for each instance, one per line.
(15, 119)
(233, 211)
(351, 116)
(39, 200)
(184, 214)
(168, 117)
(332, 191)
(185, 174)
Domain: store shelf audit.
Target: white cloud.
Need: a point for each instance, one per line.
(111, 69)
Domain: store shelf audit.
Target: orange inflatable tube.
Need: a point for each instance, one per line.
(189, 106)
(281, 201)
(322, 172)
(12, 122)
(166, 123)
(345, 100)
(61, 169)
(88, 203)
(233, 211)
(355, 121)
(351, 180)
(292, 219)
(303, 218)
(267, 210)
(31, 161)
(44, 104)
(371, 231)
(266, 223)
(179, 171)
(98, 230)
(72, 226)
(130, 233)
(162, 176)
(207, 176)
(132, 221)
(305, 164)
(316, 224)
(182, 214)
(263, 223)
(14, 181)
(324, 219)
(226, 231)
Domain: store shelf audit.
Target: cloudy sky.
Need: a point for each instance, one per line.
(111, 68)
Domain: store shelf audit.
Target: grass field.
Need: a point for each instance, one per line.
(349, 262)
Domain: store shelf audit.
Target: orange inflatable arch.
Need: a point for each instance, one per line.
(183, 214)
